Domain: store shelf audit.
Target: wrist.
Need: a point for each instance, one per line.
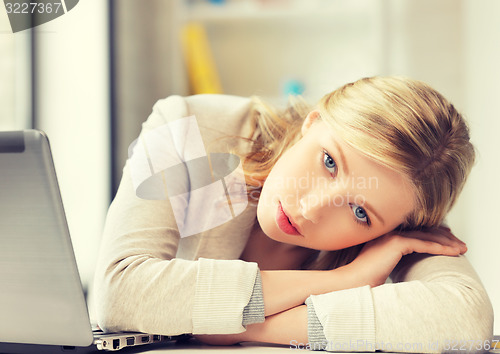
(355, 276)
(287, 289)
(345, 277)
(284, 290)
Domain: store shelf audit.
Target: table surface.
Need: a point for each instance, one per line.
(192, 346)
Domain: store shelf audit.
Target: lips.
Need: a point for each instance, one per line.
(284, 223)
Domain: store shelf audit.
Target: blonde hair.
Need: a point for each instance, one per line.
(401, 123)
(276, 132)
(411, 128)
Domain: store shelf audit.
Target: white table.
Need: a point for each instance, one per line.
(195, 347)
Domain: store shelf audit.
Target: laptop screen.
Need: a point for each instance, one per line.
(41, 298)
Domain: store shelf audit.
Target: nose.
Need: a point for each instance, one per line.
(314, 205)
(308, 212)
(322, 200)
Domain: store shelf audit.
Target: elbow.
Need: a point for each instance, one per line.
(479, 311)
(109, 317)
(480, 326)
(108, 320)
(107, 300)
(114, 298)
(470, 321)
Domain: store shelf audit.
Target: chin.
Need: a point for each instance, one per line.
(269, 228)
(265, 225)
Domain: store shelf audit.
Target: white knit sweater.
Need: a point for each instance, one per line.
(150, 279)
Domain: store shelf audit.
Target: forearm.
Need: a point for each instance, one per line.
(285, 289)
(283, 328)
(444, 289)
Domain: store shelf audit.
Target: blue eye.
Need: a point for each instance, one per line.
(329, 163)
(360, 213)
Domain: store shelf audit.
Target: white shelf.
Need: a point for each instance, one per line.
(246, 10)
(258, 44)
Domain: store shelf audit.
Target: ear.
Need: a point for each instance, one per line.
(312, 117)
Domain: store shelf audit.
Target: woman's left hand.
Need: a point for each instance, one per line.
(379, 256)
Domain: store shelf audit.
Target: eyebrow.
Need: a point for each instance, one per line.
(345, 170)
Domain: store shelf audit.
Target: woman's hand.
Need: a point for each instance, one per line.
(380, 256)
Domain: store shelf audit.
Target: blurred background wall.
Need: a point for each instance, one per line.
(91, 77)
(55, 77)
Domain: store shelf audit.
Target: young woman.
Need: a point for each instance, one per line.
(342, 196)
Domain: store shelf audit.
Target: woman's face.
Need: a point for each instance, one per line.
(323, 194)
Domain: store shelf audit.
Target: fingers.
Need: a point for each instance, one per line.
(440, 235)
(437, 246)
(446, 237)
(450, 234)
(455, 240)
(424, 246)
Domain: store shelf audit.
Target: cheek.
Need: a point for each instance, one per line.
(284, 175)
(268, 200)
(264, 215)
(342, 232)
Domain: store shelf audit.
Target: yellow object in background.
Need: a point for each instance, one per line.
(497, 343)
(199, 61)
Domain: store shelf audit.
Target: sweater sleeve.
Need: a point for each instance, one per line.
(139, 283)
(435, 304)
(254, 311)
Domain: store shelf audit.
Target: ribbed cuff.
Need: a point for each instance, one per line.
(254, 311)
(223, 289)
(315, 335)
(348, 319)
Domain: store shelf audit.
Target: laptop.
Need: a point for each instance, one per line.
(42, 303)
